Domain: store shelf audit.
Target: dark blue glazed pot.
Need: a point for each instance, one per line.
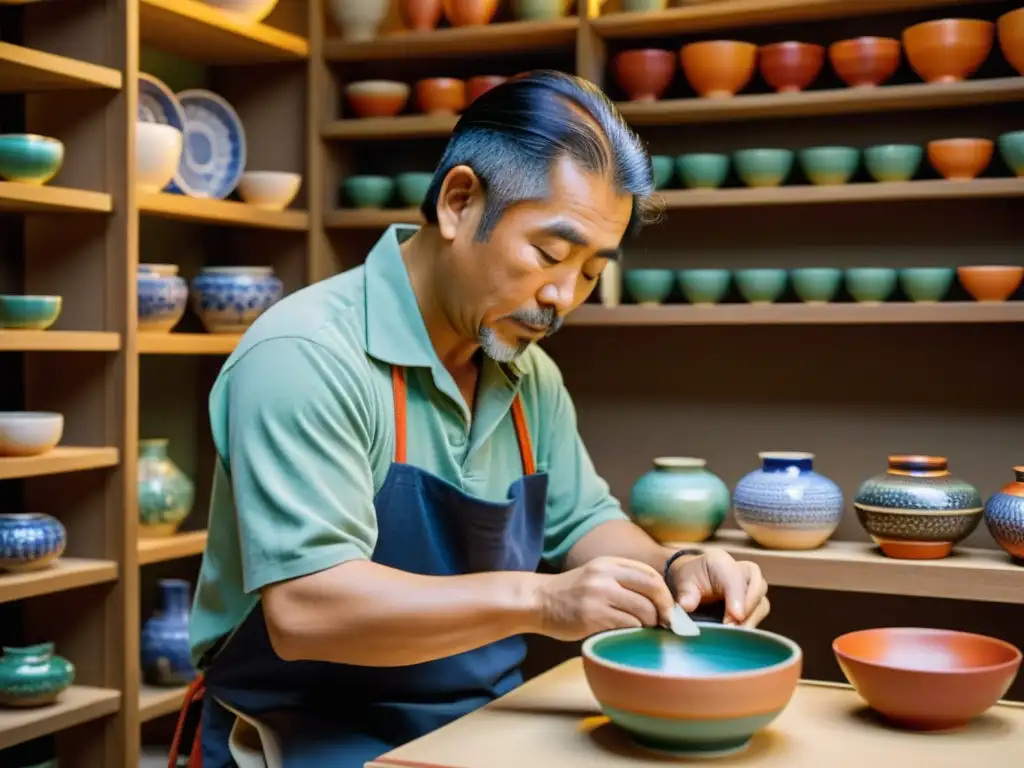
(1004, 516)
(166, 655)
(29, 542)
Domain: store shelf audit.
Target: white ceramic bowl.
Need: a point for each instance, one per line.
(29, 433)
(272, 190)
(157, 154)
(250, 10)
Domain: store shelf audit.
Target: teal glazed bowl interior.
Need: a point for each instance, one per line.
(761, 286)
(870, 285)
(369, 191)
(763, 167)
(704, 286)
(1011, 149)
(664, 168)
(703, 696)
(649, 286)
(703, 170)
(817, 285)
(829, 165)
(926, 284)
(413, 186)
(893, 162)
(30, 159)
(29, 313)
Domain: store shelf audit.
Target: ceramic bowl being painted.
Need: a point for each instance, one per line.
(29, 313)
(893, 162)
(692, 696)
(162, 297)
(269, 190)
(412, 187)
(29, 433)
(927, 679)
(369, 191)
(649, 286)
(30, 159)
(230, 299)
(30, 542)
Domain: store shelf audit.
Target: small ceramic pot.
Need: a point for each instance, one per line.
(165, 493)
(162, 300)
(865, 62)
(412, 187)
(948, 50)
(358, 19)
(269, 190)
(917, 510)
(1011, 148)
(441, 95)
(1010, 28)
(164, 645)
(817, 285)
(377, 98)
(786, 504)
(926, 285)
(29, 313)
(870, 285)
(791, 66)
(157, 155)
(664, 169)
(718, 69)
(649, 286)
(704, 287)
(1004, 515)
(990, 283)
(230, 299)
(763, 167)
(30, 542)
(369, 191)
(30, 159)
(470, 13)
(829, 165)
(481, 84)
(29, 433)
(960, 159)
(703, 170)
(420, 15)
(33, 676)
(644, 74)
(761, 286)
(679, 500)
(893, 162)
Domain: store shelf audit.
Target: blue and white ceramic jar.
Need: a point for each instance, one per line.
(30, 542)
(163, 297)
(786, 504)
(166, 654)
(229, 299)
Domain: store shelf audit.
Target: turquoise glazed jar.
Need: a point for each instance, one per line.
(413, 186)
(33, 676)
(893, 162)
(703, 170)
(870, 285)
(817, 285)
(786, 504)
(30, 541)
(679, 500)
(30, 159)
(29, 313)
(761, 286)
(166, 653)
(926, 285)
(829, 165)
(763, 167)
(649, 286)
(1011, 149)
(1004, 516)
(369, 191)
(165, 492)
(703, 287)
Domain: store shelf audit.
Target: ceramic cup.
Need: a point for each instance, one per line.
(926, 284)
(29, 313)
(1011, 148)
(704, 286)
(369, 191)
(761, 286)
(649, 286)
(703, 170)
(870, 285)
(816, 285)
(413, 186)
(763, 167)
(829, 165)
(664, 169)
(30, 159)
(893, 162)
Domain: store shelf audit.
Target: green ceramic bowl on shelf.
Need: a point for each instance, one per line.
(763, 167)
(870, 285)
(649, 286)
(1011, 148)
(664, 169)
(816, 285)
(29, 313)
(926, 284)
(369, 191)
(761, 286)
(704, 286)
(413, 186)
(829, 165)
(30, 159)
(893, 162)
(703, 170)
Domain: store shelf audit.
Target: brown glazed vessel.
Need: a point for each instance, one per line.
(1010, 27)
(718, 69)
(791, 66)
(644, 74)
(481, 84)
(377, 98)
(960, 159)
(948, 50)
(864, 62)
(421, 15)
(469, 13)
(441, 95)
(927, 679)
(990, 283)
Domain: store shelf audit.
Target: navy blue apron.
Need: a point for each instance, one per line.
(343, 715)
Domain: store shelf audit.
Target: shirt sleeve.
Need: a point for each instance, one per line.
(299, 432)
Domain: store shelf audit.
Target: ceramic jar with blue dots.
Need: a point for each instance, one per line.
(30, 542)
(229, 299)
(162, 297)
(1004, 516)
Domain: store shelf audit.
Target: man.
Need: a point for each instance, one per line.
(397, 456)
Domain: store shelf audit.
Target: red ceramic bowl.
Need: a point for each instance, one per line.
(441, 95)
(481, 84)
(960, 159)
(927, 679)
(990, 283)
(865, 61)
(1010, 28)
(718, 69)
(377, 98)
(791, 66)
(948, 50)
(644, 74)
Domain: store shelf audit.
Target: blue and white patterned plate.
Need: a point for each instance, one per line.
(158, 104)
(213, 157)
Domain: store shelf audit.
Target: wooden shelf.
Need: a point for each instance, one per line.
(846, 566)
(78, 704)
(24, 70)
(838, 101)
(187, 343)
(33, 198)
(156, 702)
(57, 461)
(485, 39)
(226, 212)
(371, 218)
(180, 545)
(201, 33)
(401, 127)
(66, 573)
(59, 341)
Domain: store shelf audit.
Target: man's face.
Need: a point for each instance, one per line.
(541, 261)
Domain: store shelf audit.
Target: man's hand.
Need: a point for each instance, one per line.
(715, 576)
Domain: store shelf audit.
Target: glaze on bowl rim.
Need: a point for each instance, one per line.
(1017, 655)
(795, 656)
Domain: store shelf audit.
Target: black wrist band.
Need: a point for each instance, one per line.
(676, 556)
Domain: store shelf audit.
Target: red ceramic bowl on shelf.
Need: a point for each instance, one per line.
(441, 95)
(377, 98)
(990, 283)
(1010, 28)
(927, 679)
(718, 69)
(790, 66)
(644, 74)
(481, 84)
(948, 50)
(469, 13)
(864, 62)
(960, 159)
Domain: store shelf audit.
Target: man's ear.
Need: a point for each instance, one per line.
(461, 192)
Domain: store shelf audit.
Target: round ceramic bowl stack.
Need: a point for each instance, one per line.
(29, 313)
(30, 159)
(162, 297)
(157, 155)
(269, 190)
(30, 542)
(701, 696)
(29, 433)
(230, 299)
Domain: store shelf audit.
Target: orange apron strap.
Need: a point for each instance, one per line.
(523, 436)
(398, 388)
(194, 695)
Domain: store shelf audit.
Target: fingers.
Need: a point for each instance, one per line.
(648, 585)
(731, 580)
(757, 587)
(759, 613)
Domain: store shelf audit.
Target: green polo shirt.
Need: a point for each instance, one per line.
(302, 419)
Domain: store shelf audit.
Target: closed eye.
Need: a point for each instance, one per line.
(546, 256)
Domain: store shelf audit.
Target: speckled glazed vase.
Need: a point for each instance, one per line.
(917, 510)
(33, 676)
(1004, 515)
(786, 504)
(166, 654)
(679, 500)
(165, 492)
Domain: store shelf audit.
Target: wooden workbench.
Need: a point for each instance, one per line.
(553, 721)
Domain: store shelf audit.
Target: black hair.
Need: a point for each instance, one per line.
(511, 135)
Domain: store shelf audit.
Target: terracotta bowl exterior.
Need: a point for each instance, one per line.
(864, 62)
(718, 69)
(990, 283)
(948, 50)
(441, 95)
(703, 695)
(420, 15)
(644, 74)
(481, 84)
(791, 66)
(377, 98)
(960, 159)
(469, 13)
(1010, 28)
(927, 679)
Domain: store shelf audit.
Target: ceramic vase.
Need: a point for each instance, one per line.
(1004, 515)
(162, 298)
(229, 299)
(33, 676)
(165, 492)
(166, 653)
(358, 19)
(916, 510)
(786, 504)
(679, 500)
(30, 542)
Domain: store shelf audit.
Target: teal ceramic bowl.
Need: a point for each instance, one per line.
(30, 159)
(664, 169)
(369, 191)
(926, 284)
(816, 285)
(703, 170)
(29, 313)
(413, 186)
(702, 696)
(893, 162)
(870, 285)
(704, 286)
(763, 167)
(1011, 147)
(649, 286)
(829, 165)
(761, 286)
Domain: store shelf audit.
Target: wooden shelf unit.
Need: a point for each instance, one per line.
(187, 343)
(23, 69)
(59, 341)
(67, 573)
(79, 704)
(157, 702)
(30, 198)
(225, 212)
(58, 461)
(185, 544)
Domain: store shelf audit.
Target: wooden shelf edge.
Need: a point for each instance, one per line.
(78, 704)
(36, 198)
(58, 461)
(227, 212)
(402, 126)
(186, 343)
(185, 544)
(65, 574)
(371, 218)
(58, 341)
(156, 702)
(61, 72)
